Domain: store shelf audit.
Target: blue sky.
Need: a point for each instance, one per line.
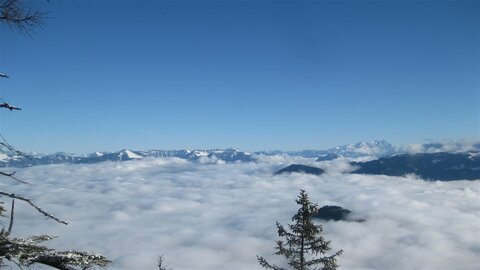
(259, 75)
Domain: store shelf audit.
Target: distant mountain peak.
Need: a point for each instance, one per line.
(96, 154)
(371, 148)
(375, 148)
(129, 154)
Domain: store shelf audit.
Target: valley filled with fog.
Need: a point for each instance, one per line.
(177, 135)
(210, 214)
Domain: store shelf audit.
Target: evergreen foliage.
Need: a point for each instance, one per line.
(303, 246)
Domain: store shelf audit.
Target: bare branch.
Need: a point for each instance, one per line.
(6, 233)
(9, 107)
(11, 148)
(7, 174)
(14, 196)
(11, 175)
(10, 226)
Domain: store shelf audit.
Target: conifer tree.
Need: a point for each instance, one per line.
(303, 246)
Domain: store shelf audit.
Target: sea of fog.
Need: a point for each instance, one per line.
(210, 215)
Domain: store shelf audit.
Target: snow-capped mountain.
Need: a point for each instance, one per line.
(376, 148)
(370, 150)
(122, 155)
(226, 155)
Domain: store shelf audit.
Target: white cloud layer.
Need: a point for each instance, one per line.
(220, 216)
(443, 146)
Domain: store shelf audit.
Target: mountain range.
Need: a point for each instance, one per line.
(227, 155)
(432, 166)
(385, 159)
(441, 166)
(373, 148)
(376, 148)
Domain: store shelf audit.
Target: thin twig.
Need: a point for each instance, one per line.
(10, 226)
(9, 107)
(12, 149)
(14, 196)
(11, 175)
(6, 233)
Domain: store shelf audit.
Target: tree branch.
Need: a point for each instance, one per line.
(14, 196)
(13, 13)
(11, 175)
(9, 107)
(263, 262)
(10, 226)
(9, 147)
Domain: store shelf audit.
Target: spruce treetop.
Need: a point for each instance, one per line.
(303, 246)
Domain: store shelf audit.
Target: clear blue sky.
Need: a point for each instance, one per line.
(107, 75)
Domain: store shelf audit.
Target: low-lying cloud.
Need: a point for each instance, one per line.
(220, 216)
(443, 146)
